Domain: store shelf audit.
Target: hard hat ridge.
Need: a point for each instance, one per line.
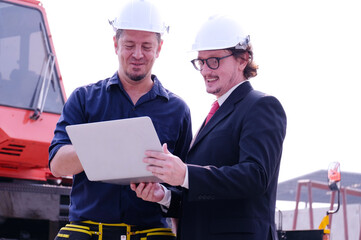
(220, 32)
(140, 15)
(243, 45)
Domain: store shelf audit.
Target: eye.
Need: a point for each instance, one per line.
(147, 48)
(212, 61)
(129, 46)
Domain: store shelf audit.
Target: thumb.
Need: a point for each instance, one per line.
(165, 148)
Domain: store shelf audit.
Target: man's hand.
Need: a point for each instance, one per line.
(167, 167)
(152, 192)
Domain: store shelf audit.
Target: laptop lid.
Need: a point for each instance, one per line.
(113, 151)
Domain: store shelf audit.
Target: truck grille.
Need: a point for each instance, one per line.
(12, 149)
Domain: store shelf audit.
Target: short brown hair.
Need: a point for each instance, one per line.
(251, 68)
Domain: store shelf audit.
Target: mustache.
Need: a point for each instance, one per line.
(137, 61)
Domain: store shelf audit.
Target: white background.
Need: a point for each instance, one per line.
(308, 54)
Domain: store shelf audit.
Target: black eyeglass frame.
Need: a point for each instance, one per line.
(206, 60)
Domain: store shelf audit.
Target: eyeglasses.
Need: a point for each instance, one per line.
(212, 62)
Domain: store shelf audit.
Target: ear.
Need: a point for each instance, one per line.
(115, 44)
(159, 48)
(243, 61)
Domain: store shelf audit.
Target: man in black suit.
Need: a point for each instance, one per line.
(228, 183)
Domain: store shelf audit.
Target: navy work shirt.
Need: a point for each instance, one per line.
(107, 100)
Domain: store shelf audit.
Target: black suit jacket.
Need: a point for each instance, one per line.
(233, 168)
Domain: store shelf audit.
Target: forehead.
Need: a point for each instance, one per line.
(138, 36)
(212, 53)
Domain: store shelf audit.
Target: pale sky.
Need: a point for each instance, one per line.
(308, 54)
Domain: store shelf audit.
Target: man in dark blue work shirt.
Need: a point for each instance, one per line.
(106, 211)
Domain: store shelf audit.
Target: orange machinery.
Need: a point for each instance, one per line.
(324, 231)
(31, 99)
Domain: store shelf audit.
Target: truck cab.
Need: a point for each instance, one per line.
(31, 90)
(33, 202)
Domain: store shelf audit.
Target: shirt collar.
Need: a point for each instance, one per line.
(114, 80)
(224, 97)
(157, 89)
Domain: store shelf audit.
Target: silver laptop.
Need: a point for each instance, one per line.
(113, 151)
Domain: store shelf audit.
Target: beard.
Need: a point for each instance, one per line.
(215, 91)
(135, 77)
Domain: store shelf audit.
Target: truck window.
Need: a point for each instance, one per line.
(24, 60)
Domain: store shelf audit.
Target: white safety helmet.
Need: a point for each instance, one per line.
(140, 15)
(220, 32)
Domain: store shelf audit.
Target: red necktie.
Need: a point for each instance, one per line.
(214, 108)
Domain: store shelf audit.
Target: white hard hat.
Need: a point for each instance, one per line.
(140, 15)
(220, 32)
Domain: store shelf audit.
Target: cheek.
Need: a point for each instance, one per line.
(151, 56)
(224, 74)
(123, 54)
(226, 77)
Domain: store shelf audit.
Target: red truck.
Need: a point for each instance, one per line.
(33, 203)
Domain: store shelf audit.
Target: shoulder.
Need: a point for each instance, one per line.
(255, 103)
(90, 90)
(93, 87)
(176, 98)
(264, 99)
(265, 107)
(178, 102)
(245, 95)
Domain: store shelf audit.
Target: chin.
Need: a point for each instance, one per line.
(213, 91)
(136, 77)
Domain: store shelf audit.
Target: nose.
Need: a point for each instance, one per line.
(138, 53)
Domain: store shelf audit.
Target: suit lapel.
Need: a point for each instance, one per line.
(226, 109)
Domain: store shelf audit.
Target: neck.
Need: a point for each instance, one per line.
(222, 99)
(136, 89)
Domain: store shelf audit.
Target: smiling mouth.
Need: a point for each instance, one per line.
(137, 63)
(211, 79)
